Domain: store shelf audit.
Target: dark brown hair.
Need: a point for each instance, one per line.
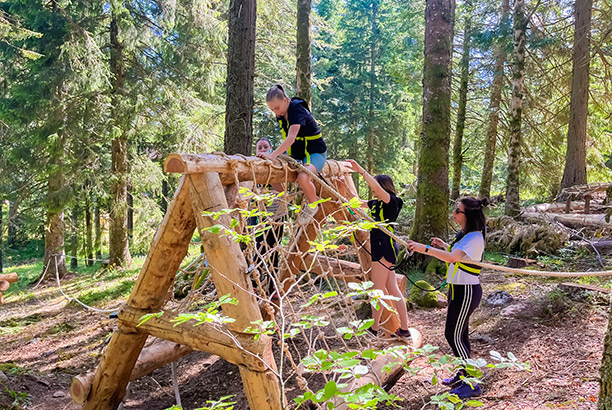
(276, 92)
(386, 183)
(263, 139)
(475, 220)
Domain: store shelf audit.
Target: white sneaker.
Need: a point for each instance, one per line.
(307, 214)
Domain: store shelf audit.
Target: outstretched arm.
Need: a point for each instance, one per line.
(377, 190)
(291, 135)
(450, 257)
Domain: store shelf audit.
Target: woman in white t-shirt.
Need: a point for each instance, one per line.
(463, 278)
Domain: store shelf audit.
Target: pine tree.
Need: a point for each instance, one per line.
(430, 217)
(518, 85)
(575, 172)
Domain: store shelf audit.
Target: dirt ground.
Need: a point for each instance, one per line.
(45, 341)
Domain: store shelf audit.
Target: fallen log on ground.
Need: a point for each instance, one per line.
(152, 357)
(571, 220)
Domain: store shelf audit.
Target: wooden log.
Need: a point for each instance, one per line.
(571, 220)
(237, 348)
(4, 285)
(586, 287)
(168, 249)
(230, 167)
(9, 277)
(151, 358)
(602, 245)
(228, 269)
(558, 207)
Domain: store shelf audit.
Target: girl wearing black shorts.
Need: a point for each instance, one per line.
(385, 207)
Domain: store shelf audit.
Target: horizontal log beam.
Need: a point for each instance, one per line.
(9, 277)
(236, 348)
(260, 170)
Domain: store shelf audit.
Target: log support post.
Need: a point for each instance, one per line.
(228, 270)
(169, 247)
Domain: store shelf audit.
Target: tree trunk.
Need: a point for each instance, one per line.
(11, 239)
(605, 371)
(98, 231)
(575, 172)
(119, 252)
(55, 258)
(303, 49)
(463, 89)
(88, 231)
(518, 81)
(240, 73)
(130, 214)
(496, 88)
(372, 136)
(165, 192)
(432, 192)
(1, 231)
(74, 240)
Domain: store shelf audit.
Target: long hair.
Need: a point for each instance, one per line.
(386, 183)
(475, 220)
(276, 92)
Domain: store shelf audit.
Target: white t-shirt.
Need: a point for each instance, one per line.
(473, 245)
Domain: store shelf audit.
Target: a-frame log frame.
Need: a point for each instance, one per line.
(201, 188)
(196, 192)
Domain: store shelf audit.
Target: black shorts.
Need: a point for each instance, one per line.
(384, 248)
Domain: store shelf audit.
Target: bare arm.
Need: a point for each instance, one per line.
(377, 190)
(445, 256)
(291, 135)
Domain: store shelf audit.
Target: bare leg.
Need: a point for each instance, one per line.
(306, 184)
(394, 290)
(379, 277)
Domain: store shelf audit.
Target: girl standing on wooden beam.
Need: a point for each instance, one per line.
(465, 291)
(303, 141)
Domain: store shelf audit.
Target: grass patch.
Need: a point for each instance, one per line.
(11, 369)
(61, 328)
(112, 291)
(14, 326)
(496, 257)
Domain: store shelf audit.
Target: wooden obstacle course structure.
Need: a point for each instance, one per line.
(210, 184)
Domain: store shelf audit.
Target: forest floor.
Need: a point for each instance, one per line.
(46, 340)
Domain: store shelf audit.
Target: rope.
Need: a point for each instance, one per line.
(486, 265)
(59, 285)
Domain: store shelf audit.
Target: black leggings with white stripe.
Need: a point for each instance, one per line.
(463, 300)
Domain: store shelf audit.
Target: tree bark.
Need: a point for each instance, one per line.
(240, 73)
(605, 371)
(303, 51)
(432, 192)
(55, 258)
(11, 239)
(98, 230)
(130, 214)
(119, 252)
(463, 89)
(518, 82)
(88, 231)
(74, 240)
(575, 172)
(1, 231)
(372, 75)
(496, 88)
